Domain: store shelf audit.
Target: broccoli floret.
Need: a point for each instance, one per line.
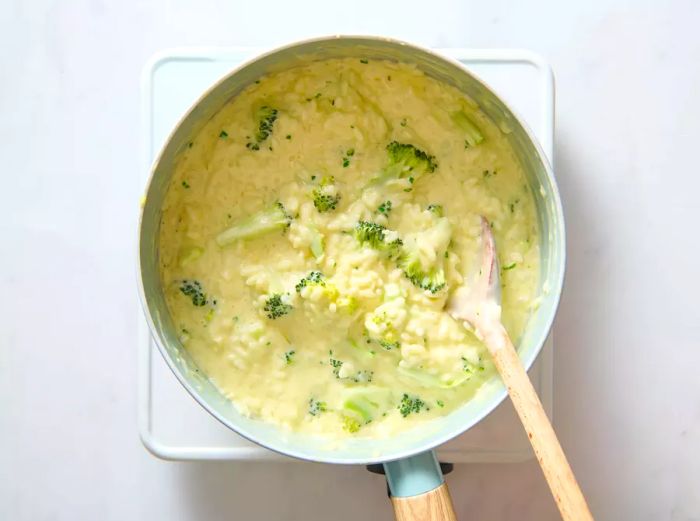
(351, 424)
(314, 277)
(379, 325)
(384, 208)
(436, 209)
(423, 254)
(472, 134)
(411, 404)
(316, 407)
(276, 307)
(370, 233)
(265, 221)
(363, 376)
(325, 202)
(336, 365)
(193, 290)
(393, 249)
(432, 280)
(407, 161)
(374, 235)
(347, 156)
(266, 117)
(386, 344)
(289, 356)
(325, 196)
(318, 280)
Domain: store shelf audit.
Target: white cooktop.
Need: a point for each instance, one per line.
(171, 424)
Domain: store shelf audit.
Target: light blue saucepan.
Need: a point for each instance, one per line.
(410, 464)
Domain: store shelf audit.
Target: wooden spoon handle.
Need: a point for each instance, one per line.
(434, 505)
(566, 491)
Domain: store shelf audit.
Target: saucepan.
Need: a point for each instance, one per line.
(413, 474)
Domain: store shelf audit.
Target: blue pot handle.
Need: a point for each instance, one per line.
(418, 489)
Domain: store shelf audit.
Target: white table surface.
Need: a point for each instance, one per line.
(627, 378)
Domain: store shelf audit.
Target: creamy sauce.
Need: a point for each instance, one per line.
(329, 319)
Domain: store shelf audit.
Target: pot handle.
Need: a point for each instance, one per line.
(418, 489)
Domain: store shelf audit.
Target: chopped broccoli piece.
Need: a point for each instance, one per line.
(473, 135)
(266, 117)
(509, 267)
(336, 365)
(325, 202)
(440, 403)
(325, 196)
(275, 306)
(423, 254)
(386, 344)
(364, 404)
(314, 277)
(193, 290)
(432, 280)
(316, 246)
(472, 368)
(346, 158)
(393, 249)
(371, 234)
(411, 404)
(289, 357)
(381, 328)
(374, 235)
(316, 407)
(351, 424)
(385, 208)
(406, 161)
(363, 376)
(223, 134)
(317, 279)
(436, 209)
(265, 221)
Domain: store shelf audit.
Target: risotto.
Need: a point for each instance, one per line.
(315, 228)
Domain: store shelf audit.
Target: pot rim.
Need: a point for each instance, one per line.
(444, 435)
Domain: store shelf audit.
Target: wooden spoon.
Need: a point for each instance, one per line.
(478, 302)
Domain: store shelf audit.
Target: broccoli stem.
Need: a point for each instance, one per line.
(261, 223)
(473, 135)
(316, 245)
